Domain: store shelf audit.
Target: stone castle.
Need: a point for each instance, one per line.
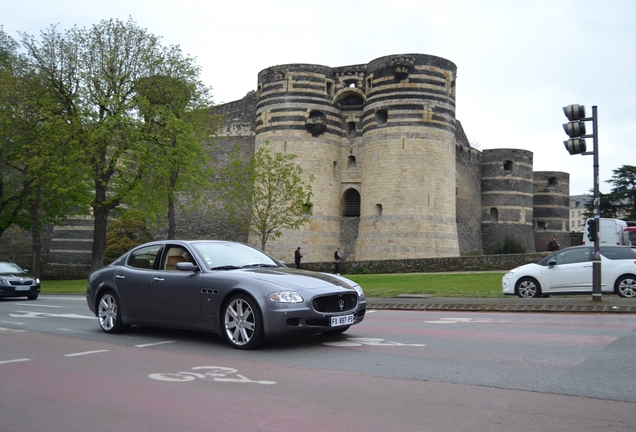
(395, 175)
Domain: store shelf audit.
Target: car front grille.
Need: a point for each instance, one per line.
(335, 303)
(15, 282)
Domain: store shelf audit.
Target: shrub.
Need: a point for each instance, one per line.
(511, 246)
(125, 233)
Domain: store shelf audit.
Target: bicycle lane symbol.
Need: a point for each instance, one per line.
(359, 341)
(211, 373)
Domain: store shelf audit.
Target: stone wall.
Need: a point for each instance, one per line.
(423, 265)
(431, 265)
(467, 194)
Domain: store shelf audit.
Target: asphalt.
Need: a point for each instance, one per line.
(560, 304)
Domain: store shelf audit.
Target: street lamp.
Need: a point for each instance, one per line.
(575, 129)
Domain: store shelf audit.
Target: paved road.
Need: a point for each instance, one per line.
(442, 370)
(563, 304)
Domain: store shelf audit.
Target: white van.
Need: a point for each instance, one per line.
(611, 232)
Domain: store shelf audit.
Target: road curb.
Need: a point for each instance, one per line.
(501, 307)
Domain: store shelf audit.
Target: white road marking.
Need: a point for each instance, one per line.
(26, 314)
(15, 361)
(155, 343)
(352, 342)
(9, 330)
(213, 373)
(40, 305)
(12, 322)
(85, 353)
(465, 320)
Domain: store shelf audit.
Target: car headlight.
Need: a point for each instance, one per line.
(359, 290)
(4, 282)
(286, 297)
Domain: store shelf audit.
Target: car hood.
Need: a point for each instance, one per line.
(299, 279)
(525, 267)
(15, 275)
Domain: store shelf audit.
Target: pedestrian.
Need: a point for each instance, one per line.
(554, 244)
(337, 256)
(297, 257)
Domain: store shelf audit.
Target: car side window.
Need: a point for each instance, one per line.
(617, 253)
(144, 258)
(174, 255)
(573, 256)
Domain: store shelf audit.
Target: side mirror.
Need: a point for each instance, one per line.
(186, 266)
(552, 263)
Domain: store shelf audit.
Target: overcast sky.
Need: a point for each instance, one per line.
(518, 62)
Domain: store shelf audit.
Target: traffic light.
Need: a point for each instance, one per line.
(575, 129)
(591, 230)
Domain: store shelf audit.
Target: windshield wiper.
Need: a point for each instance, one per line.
(260, 265)
(225, 267)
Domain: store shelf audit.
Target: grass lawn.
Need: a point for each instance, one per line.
(459, 285)
(467, 285)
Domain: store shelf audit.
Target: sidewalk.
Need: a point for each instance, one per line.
(563, 304)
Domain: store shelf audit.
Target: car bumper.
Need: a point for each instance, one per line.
(19, 291)
(508, 285)
(286, 320)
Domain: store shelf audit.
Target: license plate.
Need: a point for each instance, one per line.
(22, 288)
(341, 320)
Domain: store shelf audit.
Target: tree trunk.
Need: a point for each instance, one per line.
(99, 237)
(172, 224)
(36, 239)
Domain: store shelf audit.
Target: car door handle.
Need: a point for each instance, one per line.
(158, 279)
(120, 277)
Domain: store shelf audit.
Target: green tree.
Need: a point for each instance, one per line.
(93, 74)
(608, 207)
(37, 156)
(624, 191)
(265, 194)
(12, 193)
(177, 120)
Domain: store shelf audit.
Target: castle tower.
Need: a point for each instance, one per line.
(379, 140)
(296, 114)
(408, 159)
(551, 208)
(507, 202)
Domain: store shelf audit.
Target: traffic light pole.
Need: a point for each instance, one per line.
(596, 259)
(575, 129)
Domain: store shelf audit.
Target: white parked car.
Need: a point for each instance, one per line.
(569, 271)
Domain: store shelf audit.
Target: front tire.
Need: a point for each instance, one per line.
(528, 287)
(242, 323)
(109, 313)
(626, 286)
(32, 296)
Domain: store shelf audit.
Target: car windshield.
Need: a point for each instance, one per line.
(228, 256)
(10, 268)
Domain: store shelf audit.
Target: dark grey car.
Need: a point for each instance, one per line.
(17, 282)
(224, 287)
